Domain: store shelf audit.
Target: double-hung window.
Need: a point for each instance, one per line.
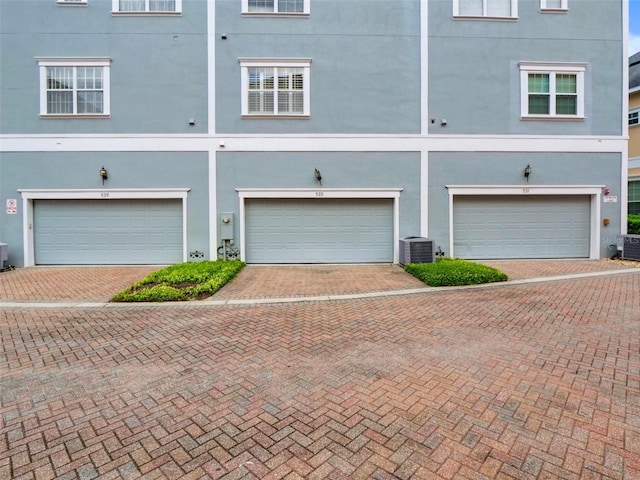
(493, 9)
(74, 87)
(634, 117)
(163, 7)
(275, 87)
(552, 91)
(554, 5)
(280, 7)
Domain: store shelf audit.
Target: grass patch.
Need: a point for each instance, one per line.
(454, 272)
(181, 282)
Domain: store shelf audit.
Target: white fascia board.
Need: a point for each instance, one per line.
(103, 193)
(211, 66)
(524, 189)
(275, 62)
(311, 143)
(424, 67)
(319, 192)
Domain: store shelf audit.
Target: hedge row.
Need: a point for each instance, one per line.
(633, 224)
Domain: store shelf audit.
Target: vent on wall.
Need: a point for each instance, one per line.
(631, 247)
(416, 250)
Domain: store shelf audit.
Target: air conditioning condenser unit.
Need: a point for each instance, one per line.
(416, 250)
(631, 247)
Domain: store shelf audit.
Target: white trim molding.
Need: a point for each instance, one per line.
(29, 195)
(306, 10)
(486, 13)
(394, 193)
(552, 69)
(561, 6)
(275, 64)
(103, 63)
(310, 143)
(594, 191)
(115, 9)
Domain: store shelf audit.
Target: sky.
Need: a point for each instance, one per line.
(634, 26)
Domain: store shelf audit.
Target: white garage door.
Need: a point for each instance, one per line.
(107, 232)
(319, 230)
(521, 227)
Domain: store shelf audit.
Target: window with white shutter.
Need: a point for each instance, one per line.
(275, 87)
(275, 7)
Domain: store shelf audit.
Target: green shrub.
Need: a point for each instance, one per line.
(454, 272)
(184, 281)
(633, 224)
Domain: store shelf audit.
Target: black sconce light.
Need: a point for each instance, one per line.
(103, 174)
(318, 176)
(527, 172)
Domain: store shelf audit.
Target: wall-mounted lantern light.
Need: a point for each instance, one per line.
(527, 172)
(103, 174)
(318, 176)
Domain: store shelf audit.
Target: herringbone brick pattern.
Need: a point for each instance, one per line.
(512, 382)
(69, 283)
(309, 280)
(521, 269)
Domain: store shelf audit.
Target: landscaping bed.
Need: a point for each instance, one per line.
(454, 272)
(182, 282)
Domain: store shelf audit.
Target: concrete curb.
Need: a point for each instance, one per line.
(212, 302)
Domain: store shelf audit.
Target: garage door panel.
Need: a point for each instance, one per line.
(521, 227)
(106, 232)
(319, 230)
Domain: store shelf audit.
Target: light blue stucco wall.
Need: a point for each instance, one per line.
(506, 168)
(159, 65)
(474, 77)
(80, 170)
(339, 170)
(365, 70)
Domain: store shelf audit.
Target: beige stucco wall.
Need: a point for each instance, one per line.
(634, 132)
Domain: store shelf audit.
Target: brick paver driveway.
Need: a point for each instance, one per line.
(519, 381)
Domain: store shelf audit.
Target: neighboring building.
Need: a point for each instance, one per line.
(310, 130)
(634, 133)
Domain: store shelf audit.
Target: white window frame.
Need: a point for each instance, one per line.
(103, 62)
(275, 63)
(564, 7)
(115, 9)
(485, 15)
(73, 3)
(552, 69)
(635, 111)
(306, 9)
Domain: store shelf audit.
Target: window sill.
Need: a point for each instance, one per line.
(49, 116)
(146, 14)
(554, 10)
(276, 14)
(555, 118)
(485, 18)
(277, 117)
(72, 4)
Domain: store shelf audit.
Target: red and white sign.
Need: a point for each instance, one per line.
(12, 206)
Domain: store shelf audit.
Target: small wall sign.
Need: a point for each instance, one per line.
(611, 199)
(12, 206)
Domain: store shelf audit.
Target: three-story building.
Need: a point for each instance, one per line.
(311, 131)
